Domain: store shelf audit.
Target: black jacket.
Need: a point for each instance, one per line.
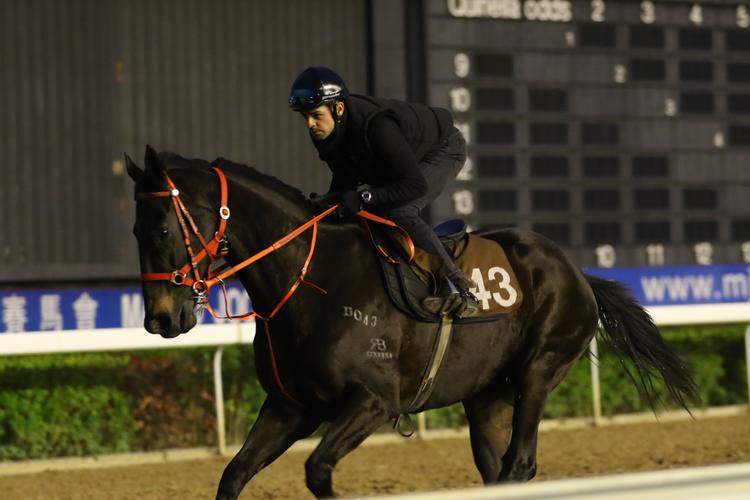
(380, 142)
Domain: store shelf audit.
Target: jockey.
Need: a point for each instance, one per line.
(404, 154)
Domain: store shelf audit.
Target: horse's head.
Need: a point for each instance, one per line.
(164, 257)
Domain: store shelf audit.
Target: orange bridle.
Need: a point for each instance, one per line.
(217, 248)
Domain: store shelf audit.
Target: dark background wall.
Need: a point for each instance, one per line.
(621, 133)
(85, 80)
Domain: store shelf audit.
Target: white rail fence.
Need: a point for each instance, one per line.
(243, 333)
(725, 482)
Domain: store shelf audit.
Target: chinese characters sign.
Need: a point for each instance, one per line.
(84, 309)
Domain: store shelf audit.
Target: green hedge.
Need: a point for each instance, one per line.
(83, 404)
(716, 352)
(64, 421)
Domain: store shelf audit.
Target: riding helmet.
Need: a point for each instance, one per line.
(315, 86)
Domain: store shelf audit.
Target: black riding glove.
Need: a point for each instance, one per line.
(350, 203)
(323, 201)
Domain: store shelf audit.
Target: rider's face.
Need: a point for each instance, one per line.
(319, 121)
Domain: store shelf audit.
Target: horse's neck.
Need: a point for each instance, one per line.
(259, 219)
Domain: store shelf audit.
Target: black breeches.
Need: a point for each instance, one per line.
(439, 167)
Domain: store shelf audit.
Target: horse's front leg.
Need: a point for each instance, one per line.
(277, 427)
(360, 415)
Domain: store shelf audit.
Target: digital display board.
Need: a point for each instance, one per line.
(621, 130)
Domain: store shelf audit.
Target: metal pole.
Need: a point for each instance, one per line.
(747, 361)
(219, 396)
(596, 392)
(421, 425)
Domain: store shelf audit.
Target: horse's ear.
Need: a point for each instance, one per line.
(134, 171)
(153, 164)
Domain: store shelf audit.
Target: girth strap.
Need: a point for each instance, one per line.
(427, 386)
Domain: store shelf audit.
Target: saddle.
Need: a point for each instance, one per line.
(407, 283)
(483, 260)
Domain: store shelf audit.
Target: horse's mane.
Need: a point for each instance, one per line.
(172, 160)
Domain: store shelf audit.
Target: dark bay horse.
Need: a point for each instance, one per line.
(313, 361)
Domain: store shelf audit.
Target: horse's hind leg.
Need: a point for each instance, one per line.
(539, 377)
(490, 416)
(276, 429)
(361, 414)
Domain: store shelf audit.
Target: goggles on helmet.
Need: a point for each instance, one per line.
(304, 99)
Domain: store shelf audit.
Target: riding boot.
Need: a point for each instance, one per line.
(454, 296)
(468, 305)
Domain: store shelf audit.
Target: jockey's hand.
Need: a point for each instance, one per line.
(350, 203)
(323, 201)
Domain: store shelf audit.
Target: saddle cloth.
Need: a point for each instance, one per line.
(483, 260)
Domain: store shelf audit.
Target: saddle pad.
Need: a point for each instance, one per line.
(498, 291)
(485, 263)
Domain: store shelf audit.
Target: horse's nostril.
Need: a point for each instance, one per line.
(160, 323)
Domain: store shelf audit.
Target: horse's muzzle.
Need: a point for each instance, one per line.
(168, 326)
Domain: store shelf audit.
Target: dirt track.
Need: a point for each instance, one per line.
(410, 466)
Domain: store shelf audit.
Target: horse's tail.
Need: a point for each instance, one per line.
(631, 333)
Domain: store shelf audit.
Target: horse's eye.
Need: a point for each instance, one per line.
(160, 233)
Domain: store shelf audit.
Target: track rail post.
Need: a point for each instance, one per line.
(221, 439)
(596, 392)
(421, 425)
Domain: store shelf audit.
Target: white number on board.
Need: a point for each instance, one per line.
(465, 130)
(743, 17)
(597, 10)
(648, 12)
(467, 171)
(460, 99)
(745, 247)
(655, 255)
(621, 73)
(461, 65)
(704, 253)
(605, 256)
(463, 202)
(696, 14)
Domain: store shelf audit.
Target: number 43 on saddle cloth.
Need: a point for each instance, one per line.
(482, 259)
